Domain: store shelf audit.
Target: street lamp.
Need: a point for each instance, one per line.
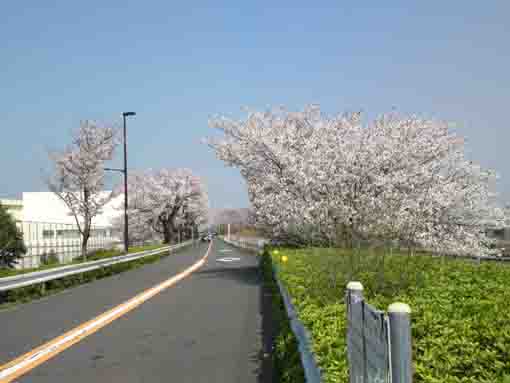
(126, 232)
(126, 236)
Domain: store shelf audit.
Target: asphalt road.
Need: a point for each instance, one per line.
(204, 329)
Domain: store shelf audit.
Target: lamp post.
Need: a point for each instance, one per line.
(126, 232)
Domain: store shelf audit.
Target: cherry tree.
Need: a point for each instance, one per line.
(237, 218)
(313, 178)
(139, 230)
(78, 176)
(167, 199)
(194, 211)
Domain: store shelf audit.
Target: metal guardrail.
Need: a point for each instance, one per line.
(310, 366)
(304, 339)
(257, 244)
(28, 279)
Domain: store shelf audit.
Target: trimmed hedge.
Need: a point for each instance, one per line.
(287, 366)
(26, 294)
(460, 314)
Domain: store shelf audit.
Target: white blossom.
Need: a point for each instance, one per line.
(397, 178)
(78, 177)
(166, 200)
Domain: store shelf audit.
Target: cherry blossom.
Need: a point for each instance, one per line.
(167, 200)
(78, 177)
(313, 178)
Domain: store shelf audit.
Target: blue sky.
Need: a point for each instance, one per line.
(176, 65)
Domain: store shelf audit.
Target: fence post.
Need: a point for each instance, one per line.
(354, 293)
(355, 289)
(400, 339)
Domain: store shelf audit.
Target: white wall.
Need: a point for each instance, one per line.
(47, 207)
(48, 227)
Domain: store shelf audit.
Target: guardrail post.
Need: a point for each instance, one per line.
(400, 339)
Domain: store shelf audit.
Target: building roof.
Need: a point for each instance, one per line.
(11, 202)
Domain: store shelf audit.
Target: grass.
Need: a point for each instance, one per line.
(93, 256)
(460, 318)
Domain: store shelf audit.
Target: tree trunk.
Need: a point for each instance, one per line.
(167, 236)
(168, 233)
(86, 225)
(84, 241)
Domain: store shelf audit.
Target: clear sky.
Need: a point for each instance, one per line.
(176, 64)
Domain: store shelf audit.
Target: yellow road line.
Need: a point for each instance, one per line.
(37, 356)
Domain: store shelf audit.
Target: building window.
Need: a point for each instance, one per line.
(68, 234)
(48, 234)
(98, 233)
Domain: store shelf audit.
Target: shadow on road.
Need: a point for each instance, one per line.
(244, 274)
(251, 275)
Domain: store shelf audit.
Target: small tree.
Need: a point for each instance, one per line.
(11, 240)
(78, 179)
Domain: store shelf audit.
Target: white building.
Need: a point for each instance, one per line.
(48, 207)
(49, 228)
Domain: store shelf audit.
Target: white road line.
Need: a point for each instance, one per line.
(228, 259)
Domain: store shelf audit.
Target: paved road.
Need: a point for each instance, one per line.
(204, 329)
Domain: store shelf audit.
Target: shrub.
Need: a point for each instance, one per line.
(49, 258)
(287, 366)
(460, 318)
(11, 240)
(102, 253)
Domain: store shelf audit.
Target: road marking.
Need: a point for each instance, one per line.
(228, 259)
(39, 355)
(225, 251)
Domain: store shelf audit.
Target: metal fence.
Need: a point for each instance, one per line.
(378, 345)
(42, 276)
(59, 242)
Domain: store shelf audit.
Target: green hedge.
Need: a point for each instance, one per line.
(287, 366)
(26, 294)
(460, 318)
